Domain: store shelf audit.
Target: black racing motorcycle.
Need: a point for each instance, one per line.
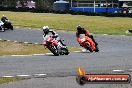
(7, 25)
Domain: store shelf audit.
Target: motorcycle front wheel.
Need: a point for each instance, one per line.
(53, 49)
(88, 47)
(11, 27)
(97, 49)
(2, 29)
(65, 51)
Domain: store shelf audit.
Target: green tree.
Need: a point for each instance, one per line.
(9, 3)
(39, 4)
(44, 4)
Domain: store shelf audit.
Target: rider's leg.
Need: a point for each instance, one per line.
(79, 41)
(62, 43)
(58, 39)
(91, 36)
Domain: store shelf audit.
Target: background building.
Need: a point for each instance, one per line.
(97, 6)
(126, 6)
(112, 6)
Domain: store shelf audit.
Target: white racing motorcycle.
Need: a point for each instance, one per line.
(2, 29)
(55, 46)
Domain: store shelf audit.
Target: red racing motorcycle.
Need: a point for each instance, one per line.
(88, 44)
(55, 46)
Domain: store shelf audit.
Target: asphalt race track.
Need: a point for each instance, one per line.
(115, 54)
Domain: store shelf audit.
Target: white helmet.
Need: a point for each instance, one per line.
(45, 29)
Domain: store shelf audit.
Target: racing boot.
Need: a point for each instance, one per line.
(96, 43)
(62, 44)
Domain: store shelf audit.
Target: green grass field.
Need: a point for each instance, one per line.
(7, 80)
(96, 24)
(11, 48)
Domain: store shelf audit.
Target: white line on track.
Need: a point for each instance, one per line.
(118, 70)
(77, 51)
(122, 35)
(38, 54)
(26, 42)
(23, 75)
(49, 54)
(7, 76)
(39, 75)
(84, 50)
(105, 34)
(15, 41)
(28, 55)
(36, 43)
(17, 27)
(20, 55)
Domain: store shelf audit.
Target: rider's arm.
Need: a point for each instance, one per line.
(53, 32)
(44, 36)
(78, 38)
(4, 19)
(87, 33)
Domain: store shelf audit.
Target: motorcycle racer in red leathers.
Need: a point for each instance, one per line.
(81, 30)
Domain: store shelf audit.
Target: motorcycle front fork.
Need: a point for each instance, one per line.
(59, 47)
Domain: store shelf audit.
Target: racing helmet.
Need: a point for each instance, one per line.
(45, 29)
(79, 28)
(3, 15)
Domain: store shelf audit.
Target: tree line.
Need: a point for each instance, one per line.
(39, 3)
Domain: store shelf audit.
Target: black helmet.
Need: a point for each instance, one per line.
(79, 28)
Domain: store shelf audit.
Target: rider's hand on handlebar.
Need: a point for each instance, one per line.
(81, 44)
(54, 36)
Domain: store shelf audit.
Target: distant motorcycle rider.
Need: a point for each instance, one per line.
(4, 18)
(81, 30)
(47, 31)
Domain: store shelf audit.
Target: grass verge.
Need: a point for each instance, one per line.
(67, 22)
(11, 48)
(12, 79)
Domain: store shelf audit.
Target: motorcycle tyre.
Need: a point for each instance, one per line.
(50, 47)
